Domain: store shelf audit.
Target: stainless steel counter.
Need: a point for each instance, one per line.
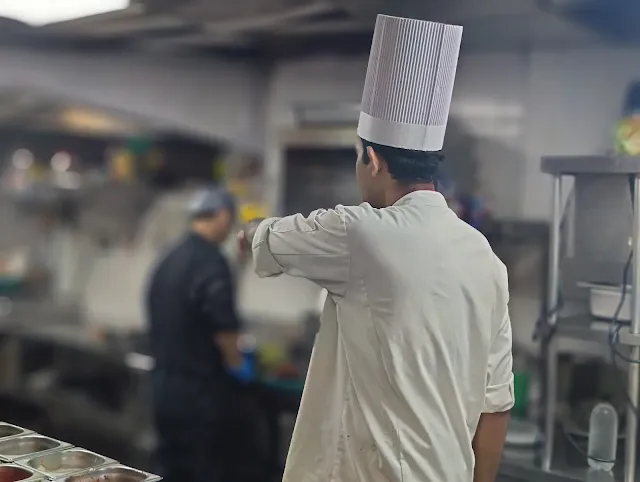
(568, 465)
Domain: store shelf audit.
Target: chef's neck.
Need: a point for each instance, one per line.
(399, 190)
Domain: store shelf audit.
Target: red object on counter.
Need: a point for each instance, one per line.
(13, 474)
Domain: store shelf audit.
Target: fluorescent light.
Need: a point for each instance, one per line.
(43, 12)
(86, 120)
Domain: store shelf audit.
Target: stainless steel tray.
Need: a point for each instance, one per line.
(112, 473)
(9, 430)
(14, 448)
(62, 463)
(15, 473)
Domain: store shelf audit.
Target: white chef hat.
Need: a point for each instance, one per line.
(409, 83)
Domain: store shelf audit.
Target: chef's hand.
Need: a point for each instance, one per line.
(245, 237)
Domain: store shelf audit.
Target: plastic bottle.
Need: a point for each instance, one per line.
(603, 437)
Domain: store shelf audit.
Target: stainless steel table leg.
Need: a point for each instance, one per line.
(634, 329)
(10, 363)
(553, 298)
(550, 404)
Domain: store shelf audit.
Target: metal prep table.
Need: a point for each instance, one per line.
(597, 179)
(132, 422)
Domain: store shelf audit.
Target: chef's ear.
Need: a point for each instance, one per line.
(376, 161)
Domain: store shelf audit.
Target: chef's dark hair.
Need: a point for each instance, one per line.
(405, 165)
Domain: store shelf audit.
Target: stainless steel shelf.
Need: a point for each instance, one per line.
(580, 327)
(572, 165)
(578, 335)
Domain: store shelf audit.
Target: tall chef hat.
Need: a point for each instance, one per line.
(409, 83)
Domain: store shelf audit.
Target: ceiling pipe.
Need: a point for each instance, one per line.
(268, 22)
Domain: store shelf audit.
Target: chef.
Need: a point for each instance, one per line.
(411, 374)
(194, 330)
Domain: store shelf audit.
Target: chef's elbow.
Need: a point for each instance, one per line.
(264, 263)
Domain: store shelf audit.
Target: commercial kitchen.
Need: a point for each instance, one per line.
(110, 120)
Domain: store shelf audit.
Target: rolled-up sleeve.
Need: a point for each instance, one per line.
(499, 394)
(313, 247)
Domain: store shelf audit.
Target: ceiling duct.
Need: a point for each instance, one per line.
(208, 11)
(617, 20)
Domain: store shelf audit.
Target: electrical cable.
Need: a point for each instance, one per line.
(580, 450)
(616, 324)
(542, 329)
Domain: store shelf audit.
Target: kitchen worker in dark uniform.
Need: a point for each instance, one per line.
(194, 331)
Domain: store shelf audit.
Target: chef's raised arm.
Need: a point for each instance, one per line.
(314, 248)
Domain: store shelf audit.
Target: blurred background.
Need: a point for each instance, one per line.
(113, 112)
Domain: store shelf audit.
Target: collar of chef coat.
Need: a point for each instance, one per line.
(422, 198)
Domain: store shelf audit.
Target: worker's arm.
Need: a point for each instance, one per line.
(491, 433)
(214, 294)
(315, 248)
(488, 444)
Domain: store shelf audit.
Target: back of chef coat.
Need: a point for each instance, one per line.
(415, 341)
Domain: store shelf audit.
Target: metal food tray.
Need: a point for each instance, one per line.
(65, 462)
(112, 473)
(15, 473)
(9, 430)
(14, 448)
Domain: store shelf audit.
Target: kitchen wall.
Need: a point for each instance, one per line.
(512, 107)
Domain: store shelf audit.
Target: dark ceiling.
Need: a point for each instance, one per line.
(291, 28)
(284, 29)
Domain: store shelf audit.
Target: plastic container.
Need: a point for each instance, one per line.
(603, 437)
(604, 301)
(521, 382)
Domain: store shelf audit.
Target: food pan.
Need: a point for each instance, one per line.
(9, 430)
(15, 473)
(62, 463)
(113, 473)
(15, 448)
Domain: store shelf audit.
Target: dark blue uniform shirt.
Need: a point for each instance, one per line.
(190, 299)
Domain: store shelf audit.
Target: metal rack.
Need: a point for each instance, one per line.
(577, 328)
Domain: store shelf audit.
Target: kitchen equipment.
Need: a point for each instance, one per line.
(604, 300)
(113, 473)
(15, 473)
(15, 448)
(8, 430)
(66, 462)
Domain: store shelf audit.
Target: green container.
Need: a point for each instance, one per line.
(521, 381)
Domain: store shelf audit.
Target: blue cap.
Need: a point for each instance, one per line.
(210, 201)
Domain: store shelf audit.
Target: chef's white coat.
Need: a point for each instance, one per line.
(414, 344)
